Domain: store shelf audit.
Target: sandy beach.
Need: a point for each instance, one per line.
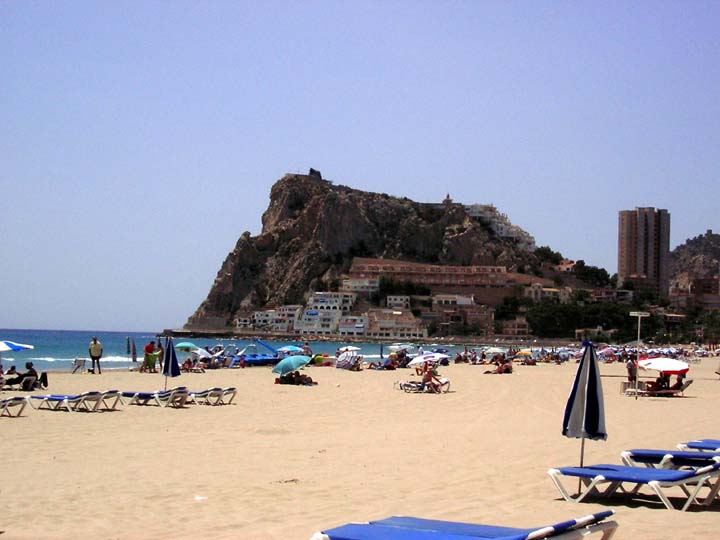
(283, 462)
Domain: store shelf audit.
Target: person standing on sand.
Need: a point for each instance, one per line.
(96, 351)
(148, 350)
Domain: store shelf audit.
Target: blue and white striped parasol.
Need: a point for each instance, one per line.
(585, 409)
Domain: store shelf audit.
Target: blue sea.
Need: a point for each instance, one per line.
(55, 350)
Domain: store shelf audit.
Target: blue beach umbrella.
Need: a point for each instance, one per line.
(290, 348)
(13, 346)
(291, 363)
(585, 410)
(170, 361)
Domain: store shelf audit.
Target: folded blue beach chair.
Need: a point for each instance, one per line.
(410, 528)
(615, 476)
(8, 404)
(704, 445)
(668, 459)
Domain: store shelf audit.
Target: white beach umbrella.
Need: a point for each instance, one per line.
(665, 365)
(349, 348)
(429, 357)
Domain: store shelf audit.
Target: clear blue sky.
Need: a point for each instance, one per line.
(140, 139)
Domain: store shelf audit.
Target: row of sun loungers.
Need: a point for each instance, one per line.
(690, 470)
(110, 399)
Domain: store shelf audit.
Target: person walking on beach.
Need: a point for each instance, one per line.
(96, 351)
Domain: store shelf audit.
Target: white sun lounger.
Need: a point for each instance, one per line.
(8, 404)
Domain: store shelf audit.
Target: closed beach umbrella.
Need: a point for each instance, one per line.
(291, 363)
(585, 409)
(669, 366)
(170, 362)
(133, 351)
(127, 345)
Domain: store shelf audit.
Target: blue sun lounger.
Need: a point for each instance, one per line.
(704, 445)
(87, 401)
(8, 404)
(690, 481)
(411, 528)
(174, 397)
(668, 459)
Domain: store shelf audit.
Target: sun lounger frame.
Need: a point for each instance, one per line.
(87, 401)
(668, 459)
(173, 397)
(7, 404)
(690, 484)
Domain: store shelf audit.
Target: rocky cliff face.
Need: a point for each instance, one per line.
(697, 258)
(312, 229)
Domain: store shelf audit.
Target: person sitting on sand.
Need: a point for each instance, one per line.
(503, 367)
(431, 380)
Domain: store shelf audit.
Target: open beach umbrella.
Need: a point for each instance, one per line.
(494, 350)
(290, 348)
(291, 363)
(13, 346)
(427, 357)
(7, 345)
(170, 362)
(350, 348)
(585, 409)
(200, 353)
(186, 346)
(669, 366)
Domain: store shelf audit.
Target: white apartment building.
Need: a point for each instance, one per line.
(452, 300)
(538, 293)
(363, 286)
(263, 319)
(317, 321)
(393, 324)
(352, 325)
(333, 301)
